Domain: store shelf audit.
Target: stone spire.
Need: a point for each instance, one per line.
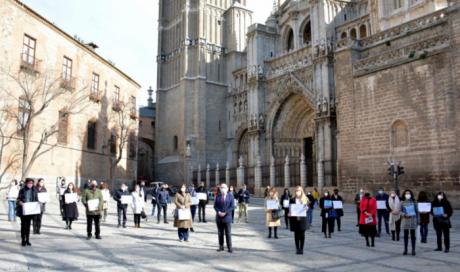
(150, 100)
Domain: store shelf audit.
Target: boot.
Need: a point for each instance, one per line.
(393, 235)
(372, 242)
(269, 233)
(276, 233)
(367, 241)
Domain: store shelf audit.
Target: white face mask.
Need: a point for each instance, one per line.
(380, 192)
(393, 195)
(223, 190)
(326, 194)
(440, 197)
(408, 196)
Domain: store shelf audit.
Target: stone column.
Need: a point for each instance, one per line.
(227, 174)
(198, 175)
(257, 176)
(208, 176)
(217, 174)
(303, 171)
(287, 173)
(240, 173)
(272, 172)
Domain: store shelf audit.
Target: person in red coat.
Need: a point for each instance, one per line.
(367, 218)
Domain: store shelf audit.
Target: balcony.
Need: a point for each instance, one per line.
(95, 96)
(289, 61)
(116, 105)
(29, 64)
(68, 83)
(133, 114)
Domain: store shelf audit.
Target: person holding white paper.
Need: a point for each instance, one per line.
(12, 196)
(61, 187)
(121, 207)
(28, 194)
(285, 201)
(138, 205)
(193, 206)
(183, 201)
(367, 220)
(203, 202)
(382, 212)
(394, 205)
(339, 211)
(299, 224)
(328, 215)
(93, 194)
(409, 220)
(70, 210)
(441, 221)
(424, 217)
(311, 206)
(37, 219)
(272, 216)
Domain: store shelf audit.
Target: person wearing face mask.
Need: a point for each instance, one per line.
(27, 194)
(394, 206)
(442, 212)
(243, 202)
(60, 191)
(285, 199)
(424, 217)
(272, 217)
(162, 201)
(138, 205)
(202, 203)
(70, 213)
(93, 194)
(121, 207)
(183, 201)
(367, 222)
(193, 208)
(328, 215)
(337, 197)
(299, 224)
(37, 219)
(358, 198)
(409, 221)
(382, 214)
(311, 206)
(223, 205)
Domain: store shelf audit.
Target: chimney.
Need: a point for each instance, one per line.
(92, 46)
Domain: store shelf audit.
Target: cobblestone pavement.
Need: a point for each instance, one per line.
(155, 247)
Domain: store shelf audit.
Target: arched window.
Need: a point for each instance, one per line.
(307, 33)
(362, 32)
(175, 142)
(290, 40)
(399, 134)
(353, 33)
(344, 35)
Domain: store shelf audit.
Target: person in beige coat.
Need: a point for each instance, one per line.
(273, 216)
(183, 202)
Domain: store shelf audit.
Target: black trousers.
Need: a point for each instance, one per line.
(37, 223)
(339, 222)
(137, 219)
(412, 238)
(286, 217)
(224, 229)
(121, 211)
(299, 239)
(165, 212)
(202, 212)
(25, 227)
(97, 224)
(327, 225)
(443, 230)
(383, 214)
(193, 209)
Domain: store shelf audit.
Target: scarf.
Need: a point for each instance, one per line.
(394, 203)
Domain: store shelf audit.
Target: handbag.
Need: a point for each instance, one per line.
(332, 214)
(143, 215)
(276, 214)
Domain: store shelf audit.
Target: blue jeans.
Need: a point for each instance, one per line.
(183, 234)
(424, 232)
(11, 210)
(310, 216)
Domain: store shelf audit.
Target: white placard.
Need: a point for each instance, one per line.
(62, 191)
(126, 199)
(93, 205)
(106, 196)
(381, 205)
(273, 204)
(202, 196)
(184, 214)
(337, 204)
(71, 198)
(286, 203)
(31, 208)
(195, 200)
(424, 207)
(43, 197)
(299, 210)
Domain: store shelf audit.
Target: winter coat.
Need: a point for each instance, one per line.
(88, 195)
(337, 198)
(182, 201)
(440, 221)
(297, 223)
(70, 209)
(162, 197)
(409, 222)
(394, 206)
(13, 193)
(22, 198)
(243, 196)
(369, 206)
(117, 197)
(42, 190)
(270, 222)
(138, 202)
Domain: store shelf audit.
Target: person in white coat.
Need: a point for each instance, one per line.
(13, 192)
(138, 205)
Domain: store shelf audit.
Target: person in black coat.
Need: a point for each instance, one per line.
(299, 224)
(70, 209)
(442, 223)
(382, 214)
(339, 212)
(27, 194)
(286, 197)
(37, 219)
(121, 208)
(328, 214)
(202, 204)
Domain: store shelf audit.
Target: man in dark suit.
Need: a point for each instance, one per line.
(224, 205)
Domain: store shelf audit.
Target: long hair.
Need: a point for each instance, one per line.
(303, 197)
(403, 196)
(75, 189)
(422, 197)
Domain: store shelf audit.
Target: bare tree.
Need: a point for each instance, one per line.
(28, 95)
(123, 117)
(7, 162)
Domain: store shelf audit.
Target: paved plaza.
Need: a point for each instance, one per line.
(156, 247)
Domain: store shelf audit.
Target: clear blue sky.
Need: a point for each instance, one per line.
(126, 31)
